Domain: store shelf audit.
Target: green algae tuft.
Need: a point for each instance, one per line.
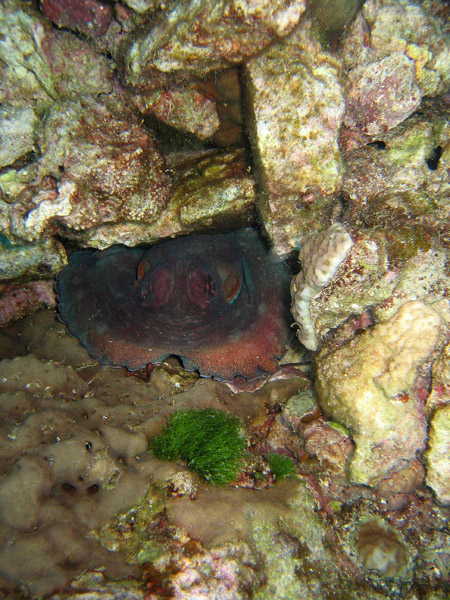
(280, 466)
(209, 441)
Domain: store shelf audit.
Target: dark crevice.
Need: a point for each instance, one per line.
(378, 144)
(433, 159)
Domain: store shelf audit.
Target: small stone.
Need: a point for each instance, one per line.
(181, 485)
(380, 548)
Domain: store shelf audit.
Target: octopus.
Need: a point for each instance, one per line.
(217, 301)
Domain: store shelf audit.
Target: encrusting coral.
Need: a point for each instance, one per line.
(438, 455)
(320, 256)
(381, 549)
(368, 385)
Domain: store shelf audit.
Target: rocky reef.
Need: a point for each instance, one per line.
(326, 127)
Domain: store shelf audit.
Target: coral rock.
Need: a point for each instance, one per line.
(382, 94)
(383, 270)
(320, 256)
(404, 176)
(39, 64)
(438, 455)
(367, 386)
(108, 168)
(89, 17)
(29, 261)
(297, 106)
(19, 300)
(395, 52)
(196, 37)
(213, 190)
(185, 108)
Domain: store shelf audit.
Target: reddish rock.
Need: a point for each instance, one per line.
(382, 94)
(89, 17)
(192, 39)
(107, 166)
(16, 301)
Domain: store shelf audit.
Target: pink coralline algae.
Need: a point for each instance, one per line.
(382, 94)
(394, 54)
(89, 17)
(19, 300)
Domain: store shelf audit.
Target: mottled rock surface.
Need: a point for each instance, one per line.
(382, 94)
(296, 106)
(19, 300)
(89, 17)
(368, 386)
(195, 37)
(213, 191)
(105, 166)
(185, 108)
(404, 176)
(394, 53)
(438, 455)
(40, 64)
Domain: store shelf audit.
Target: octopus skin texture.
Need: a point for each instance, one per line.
(219, 302)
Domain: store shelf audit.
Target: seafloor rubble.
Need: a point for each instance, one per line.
(327, 126)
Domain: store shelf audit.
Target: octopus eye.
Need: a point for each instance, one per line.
(142, 268)
(157, 287)
(202, 288)
(231, 288)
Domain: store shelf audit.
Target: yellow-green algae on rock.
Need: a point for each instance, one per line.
(366, 385)
(438, 455)
(296, 105)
